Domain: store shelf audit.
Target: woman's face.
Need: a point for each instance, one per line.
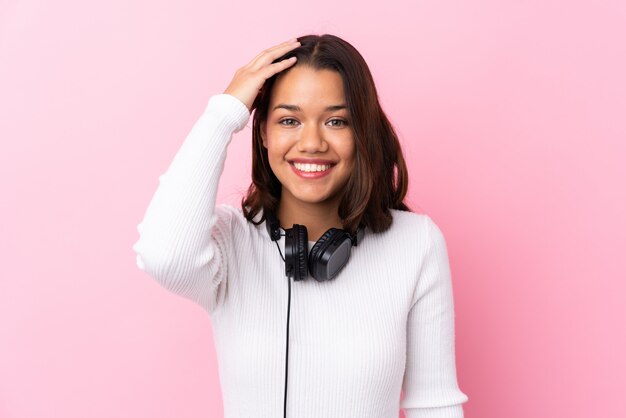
(308, 136)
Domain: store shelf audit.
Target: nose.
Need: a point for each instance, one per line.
(312, 140)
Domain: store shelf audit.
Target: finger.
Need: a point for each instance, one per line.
(264, 57)
(291, 41)
(269, 55)
(277, 67)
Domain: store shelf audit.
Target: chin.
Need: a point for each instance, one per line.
(312, 199)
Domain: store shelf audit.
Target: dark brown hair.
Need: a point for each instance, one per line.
(379, 180)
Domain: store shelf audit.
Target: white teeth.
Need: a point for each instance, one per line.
(310, 168)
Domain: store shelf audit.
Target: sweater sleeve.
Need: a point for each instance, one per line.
(430, 384)
(183, 238)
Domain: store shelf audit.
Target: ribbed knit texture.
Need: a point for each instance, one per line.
(385, 323)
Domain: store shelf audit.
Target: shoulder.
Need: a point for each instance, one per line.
(413, 226)
(417, 233)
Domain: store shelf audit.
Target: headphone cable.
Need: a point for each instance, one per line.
(287, 338)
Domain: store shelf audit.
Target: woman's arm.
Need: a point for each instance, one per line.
(430, 383)
(183, 238)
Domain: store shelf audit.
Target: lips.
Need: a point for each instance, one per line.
(311, 161)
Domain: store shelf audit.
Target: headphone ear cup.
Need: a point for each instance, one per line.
(301, 251)
(329, 254)
(317, 249)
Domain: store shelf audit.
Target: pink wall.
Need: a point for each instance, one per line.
(512, 115)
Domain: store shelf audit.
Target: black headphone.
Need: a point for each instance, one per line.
(327, 257)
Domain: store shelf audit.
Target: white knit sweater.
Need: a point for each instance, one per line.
(384, 324)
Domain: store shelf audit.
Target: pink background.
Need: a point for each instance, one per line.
(512, 117)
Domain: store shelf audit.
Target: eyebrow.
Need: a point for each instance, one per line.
(296, 108)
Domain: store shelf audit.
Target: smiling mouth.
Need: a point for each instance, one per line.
(311, 168)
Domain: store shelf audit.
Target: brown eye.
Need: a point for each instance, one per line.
(287, 124)
(343, 122)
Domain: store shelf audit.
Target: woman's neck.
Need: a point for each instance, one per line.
(317, 217)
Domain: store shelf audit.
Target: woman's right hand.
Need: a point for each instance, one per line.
(249, 79)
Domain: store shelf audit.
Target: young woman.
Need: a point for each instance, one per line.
(371, 313)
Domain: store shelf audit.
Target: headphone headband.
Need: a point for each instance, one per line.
(272, 225)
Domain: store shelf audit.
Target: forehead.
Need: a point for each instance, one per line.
(308, 88)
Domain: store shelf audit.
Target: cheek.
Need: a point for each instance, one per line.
(348, 151)
(279, 142)
(273, 160)
(275, 157)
